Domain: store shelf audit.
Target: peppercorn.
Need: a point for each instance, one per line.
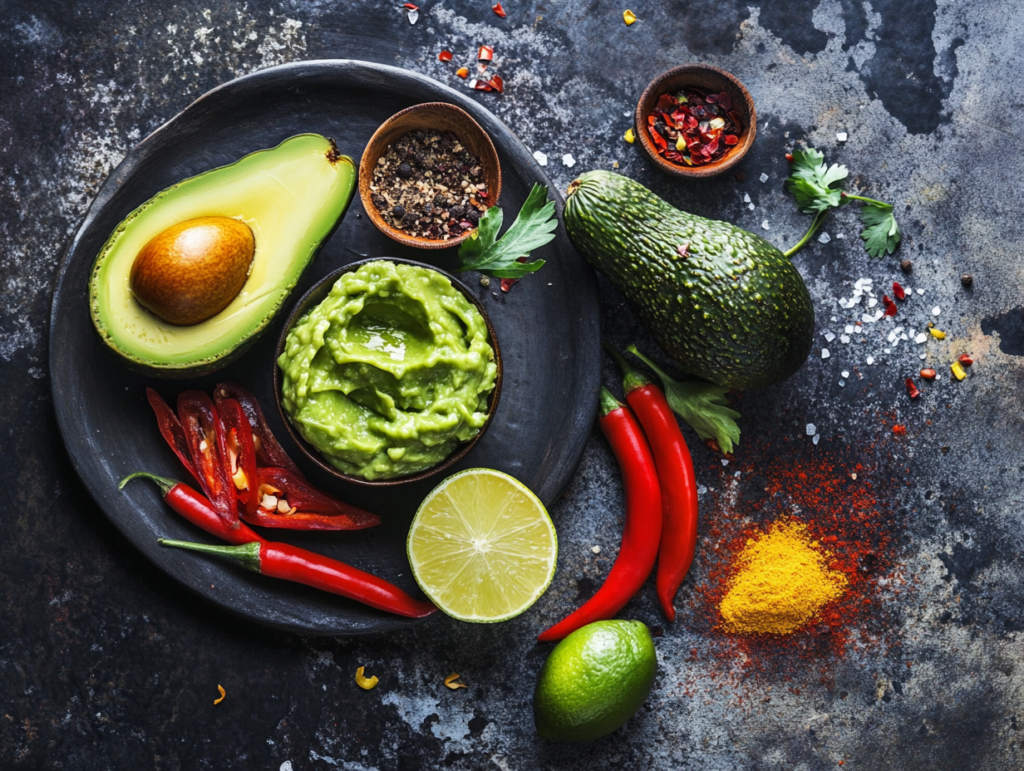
(906, 266)
(473, 216)
(419, 134)
(398, 211)
(457, 212)
(409, 218)
(404, 170)
(378, 200)
(440, 201)
(967, 279)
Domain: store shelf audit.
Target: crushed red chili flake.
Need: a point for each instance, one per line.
(506, 283)
(445, 55)
(928, 374)
(890, 306)
(485, 54)
(410, 7)
(965, 360)
(898, 291)
(499, 10)
(912, 391)
(899, 429)
(694, 128)
(497, 84)
(480, 85)
(462, 72)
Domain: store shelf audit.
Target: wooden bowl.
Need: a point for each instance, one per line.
(706, 78)
(437, 116)
(316, 295)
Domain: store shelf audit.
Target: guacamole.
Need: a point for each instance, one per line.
(390, 373)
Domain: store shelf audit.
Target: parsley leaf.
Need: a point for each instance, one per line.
(811, 181)
(484, 252)
(701, 404)
(881, 234)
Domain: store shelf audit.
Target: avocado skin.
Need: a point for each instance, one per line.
(734, 310)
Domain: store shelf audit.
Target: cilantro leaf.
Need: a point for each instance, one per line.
(811, 181)
(881, 234)
(701, 404)
(483, 251)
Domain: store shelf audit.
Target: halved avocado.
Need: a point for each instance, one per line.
(291, 197)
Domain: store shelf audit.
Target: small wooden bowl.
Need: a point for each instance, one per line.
(316, 295)
(706, 78)
(437, 116)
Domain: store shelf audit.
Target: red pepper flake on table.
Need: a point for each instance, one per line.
(499, 10)
(694, 128)
(429, 185)
(445, 55)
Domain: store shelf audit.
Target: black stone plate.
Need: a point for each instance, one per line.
(547, 324)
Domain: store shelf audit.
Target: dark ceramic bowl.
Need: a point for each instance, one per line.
(316, 295)
(709, 79)
(437, 116)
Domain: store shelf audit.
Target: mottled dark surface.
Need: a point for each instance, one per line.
(104, 663)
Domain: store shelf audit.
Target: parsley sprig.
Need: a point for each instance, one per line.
(812, 183)
(484, 252)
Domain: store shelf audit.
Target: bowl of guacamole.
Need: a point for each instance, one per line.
(387, 371)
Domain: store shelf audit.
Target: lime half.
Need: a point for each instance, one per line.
(482, 546)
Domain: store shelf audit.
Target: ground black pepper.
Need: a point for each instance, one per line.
(430, 186)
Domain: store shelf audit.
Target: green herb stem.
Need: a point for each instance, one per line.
(815, 224)
(872, 201)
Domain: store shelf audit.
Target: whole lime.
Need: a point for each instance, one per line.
(594, 681)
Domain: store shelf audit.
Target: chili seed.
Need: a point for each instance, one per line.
(906, 266)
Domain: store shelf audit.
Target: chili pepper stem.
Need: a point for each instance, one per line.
(164, 483)
(247, 554)
(608, 402)
(632, 379)
(815, 224)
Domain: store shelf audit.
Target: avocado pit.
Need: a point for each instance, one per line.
(192, 271)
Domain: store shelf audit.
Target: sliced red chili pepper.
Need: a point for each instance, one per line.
(965, 360)
(485, 54)
(675, 474)
(285, 561)
(497, 84)
(912, 391)
(268, 450)
(201, 426)
(239, 453)
(171, 430)
(499, 10)
(642, 532)
(307, 507)
(445, 56)
(899, 291)
(890, 306)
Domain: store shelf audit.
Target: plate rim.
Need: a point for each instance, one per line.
(520, 155)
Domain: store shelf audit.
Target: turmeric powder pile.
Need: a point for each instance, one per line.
(782, 581)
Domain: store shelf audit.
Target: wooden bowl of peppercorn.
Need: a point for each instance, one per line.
(428, 174)
(703, 79)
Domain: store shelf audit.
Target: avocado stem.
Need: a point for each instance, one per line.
(631, 377)
(815, 224)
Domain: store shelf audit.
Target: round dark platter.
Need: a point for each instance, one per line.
(548, 326)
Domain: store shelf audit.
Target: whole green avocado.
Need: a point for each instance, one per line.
(724, 303)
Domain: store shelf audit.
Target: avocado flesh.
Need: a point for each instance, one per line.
(290, 196)
(733, 310)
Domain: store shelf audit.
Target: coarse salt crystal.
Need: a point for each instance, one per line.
(824, 238)
(920, 338)
(811, 429)
(764, 178)
(701, 489)
(936, 310)
(840, 236)
(872, 302)
(829, 337)
(849, 329)
(920, 291)
(540, 157)
(725, 461)
(844, 338)
(842, 383)
(923, 356)
(841, 136)
(845, 373)
(824, 353)
(888, 350)
(736, 475)
(595, 549)
(871, 359)
(568, 160)
(746, 198)
(817, 438)
(765, 225)
(751, 206)
(867, 318)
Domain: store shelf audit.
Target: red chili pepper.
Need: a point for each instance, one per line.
(912, 391)
(239, 454)
(676, 476)
(899, 291)
(445, 56)
(485, 54)
(204, 434)
(642, 531)
(499, 10)
(269, 452)
(281, 560)
(305, 508)
(171, 430)
(890, 306)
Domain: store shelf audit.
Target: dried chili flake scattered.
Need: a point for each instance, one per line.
(499, 10)
(452, 681)
(485, 54)
(938, 334)
(629, 17)
(497, 84)
(899, 430)
(223, 694)
(898, 291)
(410, 7)
(890, 306)
(692, 127)
(480, 85)
(912, 391)
(364, 682)
(928, 374)
(958, 370)
(965, 360)
(462, 72)
(445, 55)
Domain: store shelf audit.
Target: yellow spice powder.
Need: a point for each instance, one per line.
(782, 581)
